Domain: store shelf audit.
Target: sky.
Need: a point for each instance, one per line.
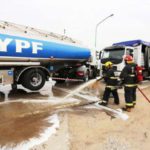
(131, 18)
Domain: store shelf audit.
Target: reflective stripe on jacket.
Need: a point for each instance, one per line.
(130, 85)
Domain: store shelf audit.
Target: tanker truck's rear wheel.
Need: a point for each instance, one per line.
(33, 79)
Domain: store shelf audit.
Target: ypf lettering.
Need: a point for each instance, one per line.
(4, 44)
(36, 46)
(21, 44)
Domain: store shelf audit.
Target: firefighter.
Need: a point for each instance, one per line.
(111, 85)
(129, 78)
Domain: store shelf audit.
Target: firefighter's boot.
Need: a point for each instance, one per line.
(103, 103)
(128, 109)
(116, 102)
(134, 103)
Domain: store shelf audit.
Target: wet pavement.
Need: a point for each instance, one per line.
(24, 114)
(21, 121)
(16, 130)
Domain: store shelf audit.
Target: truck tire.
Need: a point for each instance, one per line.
(33, 79)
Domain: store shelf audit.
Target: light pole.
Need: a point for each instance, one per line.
(98, 26)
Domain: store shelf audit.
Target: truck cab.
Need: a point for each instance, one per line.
(114, 54)
(138, 49)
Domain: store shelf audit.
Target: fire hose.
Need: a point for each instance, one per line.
(143, 94)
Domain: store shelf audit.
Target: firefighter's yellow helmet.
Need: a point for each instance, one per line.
(108, 64)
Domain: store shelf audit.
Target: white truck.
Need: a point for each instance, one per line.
(29, 56)
(140, 50)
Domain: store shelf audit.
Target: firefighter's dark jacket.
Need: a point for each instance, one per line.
(128, 74)
(110, 78)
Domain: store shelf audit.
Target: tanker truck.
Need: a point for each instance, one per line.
(29, 56)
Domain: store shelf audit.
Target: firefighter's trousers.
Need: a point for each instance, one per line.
(130, 95)
(107, 93)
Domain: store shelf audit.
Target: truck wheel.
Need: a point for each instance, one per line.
(33, 79)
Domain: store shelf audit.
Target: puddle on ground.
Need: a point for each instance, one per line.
(23, 120)
(14, 131)
(18, 124)
(26, 132)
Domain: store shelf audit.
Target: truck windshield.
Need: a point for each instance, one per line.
(114, 55)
